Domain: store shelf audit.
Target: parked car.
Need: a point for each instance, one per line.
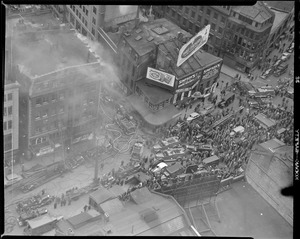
(285, 56)
(11, 179)
(79, 159)
(267, 73)
(159, 167)
(193, 116)
(281, 69)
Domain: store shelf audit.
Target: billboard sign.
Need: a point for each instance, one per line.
(189, 79)
(188, 49)
(160, 77)
(210, 72)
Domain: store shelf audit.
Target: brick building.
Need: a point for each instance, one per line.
(60, 80)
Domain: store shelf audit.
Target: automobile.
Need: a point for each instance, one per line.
(22, 219)
(79, 159)
(246, 88)
(173, 153)
(11, 179)
(276, 64)
(227, 100)
(193, 116)
(281, 69)
(253, 103)
(267, 73)
(205, 147)
(285, 56)
(291, 48)
(159, 167)
(207, 110)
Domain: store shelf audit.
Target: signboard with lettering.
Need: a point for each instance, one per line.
(189, 79)
(188, 88)
(163, 78)
(188, 49)
(210, 72)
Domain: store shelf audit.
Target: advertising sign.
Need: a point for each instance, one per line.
(188, 88)
(210, 72)
(189, 79)
(188, 49)
(160, 77)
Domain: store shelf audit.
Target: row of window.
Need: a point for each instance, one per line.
(45, 113)
(7, 97)
(43, 100)
(7, 111)
(7, 125)
(199, 18)
(7, 142)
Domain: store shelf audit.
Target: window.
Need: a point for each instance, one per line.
(213, 26)
(9, 124)
(4, 125)
(85, 23)
(193, 14)
(86, 12)
(9, 110)
(79, 15)
(45, 114)
(186, 11)
(184, 22)
(243, 31)
(9, 96)
(256, 24)
(223, 19)
(173, 14)
(220, 30)
(215, 15)
(7, 142)
(93, 31)
(199, 18)
(5, 111)
(208, 12)
(38, 101)
(95, 10)
(76, 12)
(94, 21)
(205, 22)
(83, 8)
(197, 29)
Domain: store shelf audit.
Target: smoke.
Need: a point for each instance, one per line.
(125, 9)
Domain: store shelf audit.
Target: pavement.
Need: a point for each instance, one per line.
(243, 212)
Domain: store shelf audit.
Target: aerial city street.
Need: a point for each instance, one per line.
(149, 120)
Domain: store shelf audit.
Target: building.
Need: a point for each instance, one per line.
(10, 117)
(246, 34)
(270, 169)
(145, 213)
(284, 20)
(95, 21)
(137, 47)
(194, 18)
(60, 80)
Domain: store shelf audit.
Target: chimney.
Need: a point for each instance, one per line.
(137, 18)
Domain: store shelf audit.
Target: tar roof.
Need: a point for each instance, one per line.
(170, 218)
(199, 59)
(160, 30)
(102, 195)
(39, 221)
(258, 12)
(155, 94)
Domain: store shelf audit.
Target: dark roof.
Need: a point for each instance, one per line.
(75, 221)
(286, 6)
(102, 195)
(258, 12)
(155, 94)
(112, 206)
(164, 27)
(199, 60)
(141, 195)
(174, 168)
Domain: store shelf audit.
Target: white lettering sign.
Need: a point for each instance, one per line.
(210, 72)
(161, 77)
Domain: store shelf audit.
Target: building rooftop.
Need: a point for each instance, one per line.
(258, 12)
(279, 18)
(102, 195)
(149, 214)
(142, 38)
(199, 59)
(286, 6)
